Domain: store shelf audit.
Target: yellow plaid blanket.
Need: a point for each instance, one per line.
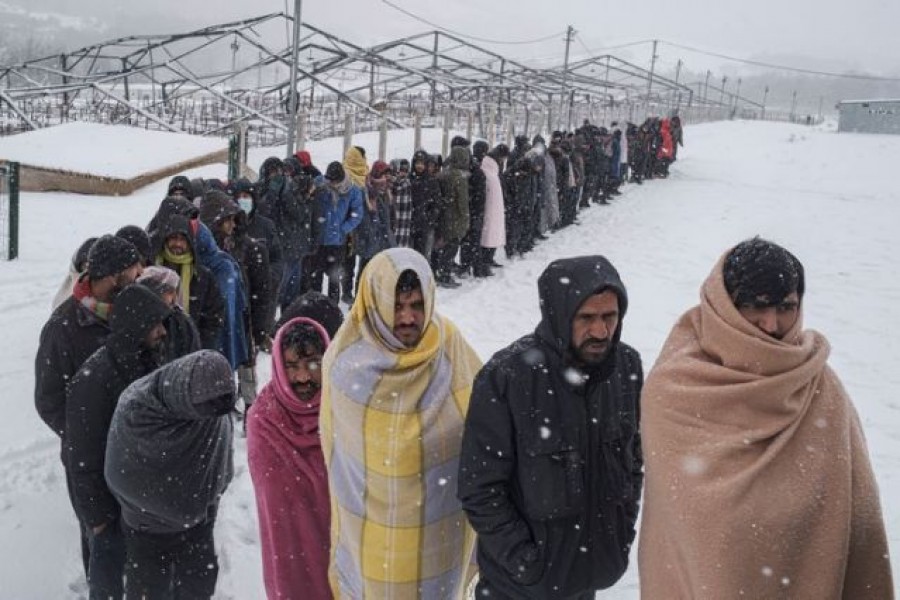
(391, 423)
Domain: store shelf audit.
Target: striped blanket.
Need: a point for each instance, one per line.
(391, 423)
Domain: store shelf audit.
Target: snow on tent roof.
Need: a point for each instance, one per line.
(117, 151)
(874, 101)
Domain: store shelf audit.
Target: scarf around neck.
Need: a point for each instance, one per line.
(186, 263)
(82, 293)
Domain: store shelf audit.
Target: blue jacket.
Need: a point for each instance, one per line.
(340, 212)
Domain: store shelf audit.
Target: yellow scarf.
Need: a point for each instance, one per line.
(356, 167)
(186, 262)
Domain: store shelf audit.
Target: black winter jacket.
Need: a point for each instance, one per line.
(293, 212)
(68, 338)
(94, 393)
(425, 192)
(182, 336)
(207, 307)
(263, 230)
(551, 465)
(253, 257)
(477, 191)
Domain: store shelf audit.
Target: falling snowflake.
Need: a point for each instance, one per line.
(693, 465)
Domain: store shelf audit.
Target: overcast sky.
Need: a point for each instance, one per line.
(859, 34)
(809, 33)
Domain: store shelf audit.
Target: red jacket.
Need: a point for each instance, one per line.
(666, 148)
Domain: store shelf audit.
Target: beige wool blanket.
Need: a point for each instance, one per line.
(758, 482)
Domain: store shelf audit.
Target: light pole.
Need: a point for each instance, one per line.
(292, 101)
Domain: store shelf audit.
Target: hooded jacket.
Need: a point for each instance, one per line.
(94, 391)
(454, 182)
(270, 189)
(425, 192)
(550, 475)
(294, 213)
(252, 257)
(284, 454)
(207, 307)
(261, 228)
(169, 451)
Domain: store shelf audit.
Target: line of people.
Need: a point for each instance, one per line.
(386, 459)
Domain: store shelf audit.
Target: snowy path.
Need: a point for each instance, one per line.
(829, 198)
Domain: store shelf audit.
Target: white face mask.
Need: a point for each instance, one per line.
(246, 204)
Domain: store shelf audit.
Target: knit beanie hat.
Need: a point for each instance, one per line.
(315, 306)
(139, 238)
(335, 172)
(111, 255)
(181, 184)
(379, 168)
(80, 258)
(758, 268)
(159, 279)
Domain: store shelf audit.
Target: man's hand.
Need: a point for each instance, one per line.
(99, 528)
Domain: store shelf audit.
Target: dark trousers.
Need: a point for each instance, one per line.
(483, 589)
(106, 566)
(470, 249)
(443, 259)
(171, 566)
(85, 543)
(362, 267)
(347, 274)
(291, 281)
(329, 260)
(591, 187)
(422, 240)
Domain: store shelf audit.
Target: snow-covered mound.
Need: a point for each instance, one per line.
(115, 151)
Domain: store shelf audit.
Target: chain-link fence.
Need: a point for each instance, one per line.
(9, 211)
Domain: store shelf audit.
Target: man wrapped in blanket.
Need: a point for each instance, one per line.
(396, 385)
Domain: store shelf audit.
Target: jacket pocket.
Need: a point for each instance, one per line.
(619, 484)
(551, 476)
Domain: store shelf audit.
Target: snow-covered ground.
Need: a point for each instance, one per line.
(828, 197)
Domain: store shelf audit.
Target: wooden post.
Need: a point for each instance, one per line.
(348, 131)
(417, 136)
(301, 129)
(445, 138)
(470, 124)
(382, 139)
(492, 130)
